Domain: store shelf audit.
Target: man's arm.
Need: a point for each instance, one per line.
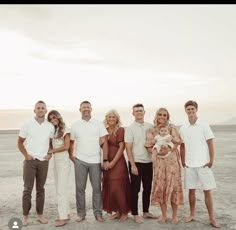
(128, 146)
(182, 154)
(211, 152)
(71, 150)
(22, 149)
(104, 145)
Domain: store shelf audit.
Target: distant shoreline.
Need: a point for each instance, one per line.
(214, 128)
(9, 131)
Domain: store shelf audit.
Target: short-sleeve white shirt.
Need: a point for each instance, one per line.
(86, 135)
(37, 137)
(136, 134)
(195, 139)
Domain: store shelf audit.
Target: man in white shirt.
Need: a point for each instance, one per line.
(35, 138)
(197, 156)
(140, 163)
(90, 135)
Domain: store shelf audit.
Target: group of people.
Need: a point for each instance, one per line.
(154, 151)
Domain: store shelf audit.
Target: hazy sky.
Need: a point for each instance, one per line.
(117, 55)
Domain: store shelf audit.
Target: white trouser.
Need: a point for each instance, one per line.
(61, 175)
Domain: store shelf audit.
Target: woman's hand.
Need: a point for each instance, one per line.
(111, 165)
(164, 151)
(105, 165)
(48, 157)
(50, 151)
(149, 149)
(176, 140)
(72, 158)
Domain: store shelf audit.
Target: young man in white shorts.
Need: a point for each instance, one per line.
(197, 156)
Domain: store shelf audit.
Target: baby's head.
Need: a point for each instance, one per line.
(164, 130)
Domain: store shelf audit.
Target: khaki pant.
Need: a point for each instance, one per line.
(34, 169)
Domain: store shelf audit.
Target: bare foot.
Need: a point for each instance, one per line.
(138, 219)
(42, 220)
(149, 215)
(99, 218)
(79, 219)
(25, 220)
(68, 218)
(60, 223)
(189, 219)
(123, 217)
(162, 220)
(214, 224)
(114, 216)
(174, 220)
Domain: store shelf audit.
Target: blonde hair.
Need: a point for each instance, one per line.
(118, 123)
(156, 115)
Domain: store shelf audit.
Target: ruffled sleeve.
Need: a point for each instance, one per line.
(150, 141)
(67, 130)
(120, 135)
(175, 134)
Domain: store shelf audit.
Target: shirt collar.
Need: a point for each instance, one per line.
(44, 122)
(139, 124)
(89, 121)
(197, 122)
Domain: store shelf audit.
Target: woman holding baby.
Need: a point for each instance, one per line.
(167, 182)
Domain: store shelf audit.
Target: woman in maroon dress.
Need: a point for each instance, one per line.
(115, 182)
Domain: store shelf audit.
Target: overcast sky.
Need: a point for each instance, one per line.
(117, 55)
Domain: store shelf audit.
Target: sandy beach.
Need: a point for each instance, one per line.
(224, 195)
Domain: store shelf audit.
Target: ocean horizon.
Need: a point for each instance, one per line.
(215, 128)
(13, 119)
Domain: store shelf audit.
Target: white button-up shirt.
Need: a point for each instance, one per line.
(195, 139)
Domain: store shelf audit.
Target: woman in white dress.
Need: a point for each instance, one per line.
(61, 143)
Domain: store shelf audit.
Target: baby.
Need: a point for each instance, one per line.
(163, 140)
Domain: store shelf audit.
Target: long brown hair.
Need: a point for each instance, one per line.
(61, 125)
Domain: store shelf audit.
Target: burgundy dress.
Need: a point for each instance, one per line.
(115, 181)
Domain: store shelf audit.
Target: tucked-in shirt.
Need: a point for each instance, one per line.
(87, 136)
(37, 137)
(136, 134)
(195, 139)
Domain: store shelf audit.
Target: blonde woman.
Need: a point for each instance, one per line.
(115, 182)
(167, 182)
(61, 143)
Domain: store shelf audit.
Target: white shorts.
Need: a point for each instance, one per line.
(199, 177)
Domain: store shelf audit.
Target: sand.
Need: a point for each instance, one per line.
(224, 195)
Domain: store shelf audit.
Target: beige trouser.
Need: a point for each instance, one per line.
(61, 176)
